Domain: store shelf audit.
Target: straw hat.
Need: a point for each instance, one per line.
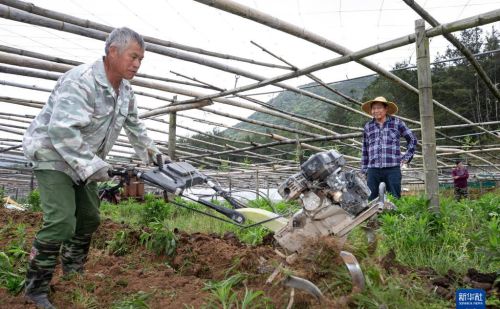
(392, 108)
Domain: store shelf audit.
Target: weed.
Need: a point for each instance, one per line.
(252, 236)
(161, 239)
(34, 201)
(224, 296)
(254, 299)
(9, 278)
(2, 195)
(463, 235)
(83, 299)
(136, 301)
(118, 245)
(222, 292)
(154, 209)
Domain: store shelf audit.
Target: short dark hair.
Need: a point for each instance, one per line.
(121, 37)
(458, 161)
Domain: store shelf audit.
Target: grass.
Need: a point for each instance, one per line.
(224, 295)
(462, 235)
(154, 209)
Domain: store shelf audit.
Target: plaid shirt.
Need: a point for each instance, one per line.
(381, 144)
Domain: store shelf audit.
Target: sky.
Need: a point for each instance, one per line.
(354, 24)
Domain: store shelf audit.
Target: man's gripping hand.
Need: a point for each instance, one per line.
(100, 175)
(161, 158)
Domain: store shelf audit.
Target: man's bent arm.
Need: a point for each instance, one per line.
(137, 135)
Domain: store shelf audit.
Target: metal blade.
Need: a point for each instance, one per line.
(358, 279)
(303, 284)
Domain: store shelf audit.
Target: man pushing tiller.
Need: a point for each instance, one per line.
(67, 144)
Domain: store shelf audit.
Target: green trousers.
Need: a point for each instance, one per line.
(68, 209)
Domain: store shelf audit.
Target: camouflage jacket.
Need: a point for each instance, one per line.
(80, 123)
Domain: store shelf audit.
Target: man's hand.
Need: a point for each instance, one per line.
(163, 158)
(100, 175)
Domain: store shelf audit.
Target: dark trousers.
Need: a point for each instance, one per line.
(68, 209)
(461, 193)
(390, 175)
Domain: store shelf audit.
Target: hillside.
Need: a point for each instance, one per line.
(303, 105)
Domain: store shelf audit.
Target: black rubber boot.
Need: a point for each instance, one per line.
(41, 301)
(74, 253)
(42, 262)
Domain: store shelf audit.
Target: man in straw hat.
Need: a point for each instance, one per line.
(381, 158)
(67, 144)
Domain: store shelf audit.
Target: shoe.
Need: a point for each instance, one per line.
(40, 300)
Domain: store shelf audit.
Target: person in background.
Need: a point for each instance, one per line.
(460, 176)
(67, 144)
(381, 158)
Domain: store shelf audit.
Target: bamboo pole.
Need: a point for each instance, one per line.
(248, 98)
(54, 76)
(172, 128)
(285, 142)
(29, 7)
(274, 136)
(18, 15)
(310, 75)
(18, 85)
(260, 17)
(258, 122)
(28, 72)
(120, 142)
(27, 53)
(427, 117)
(47, 65)
(140, 107)
(260, 156)
(283, 111)
(14, 119)
(182, 107)
(464, 50)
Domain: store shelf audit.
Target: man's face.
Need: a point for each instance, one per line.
(379, 110)
(127, 62)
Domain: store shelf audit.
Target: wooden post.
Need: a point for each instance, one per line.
(427, 116)
(32, 181)
(172, 133)
(256, 184)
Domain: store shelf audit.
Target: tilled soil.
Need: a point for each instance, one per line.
(179, 281)
(170, 282)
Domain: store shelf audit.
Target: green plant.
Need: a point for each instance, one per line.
(84, 299)
(118, 245)
(9, 278)
(34, 200)
(161, 239)
(2, 195)
(252, 236)
(16, 251)
(462, 235)
(223, 294)
(135, 301)
(254, 299)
